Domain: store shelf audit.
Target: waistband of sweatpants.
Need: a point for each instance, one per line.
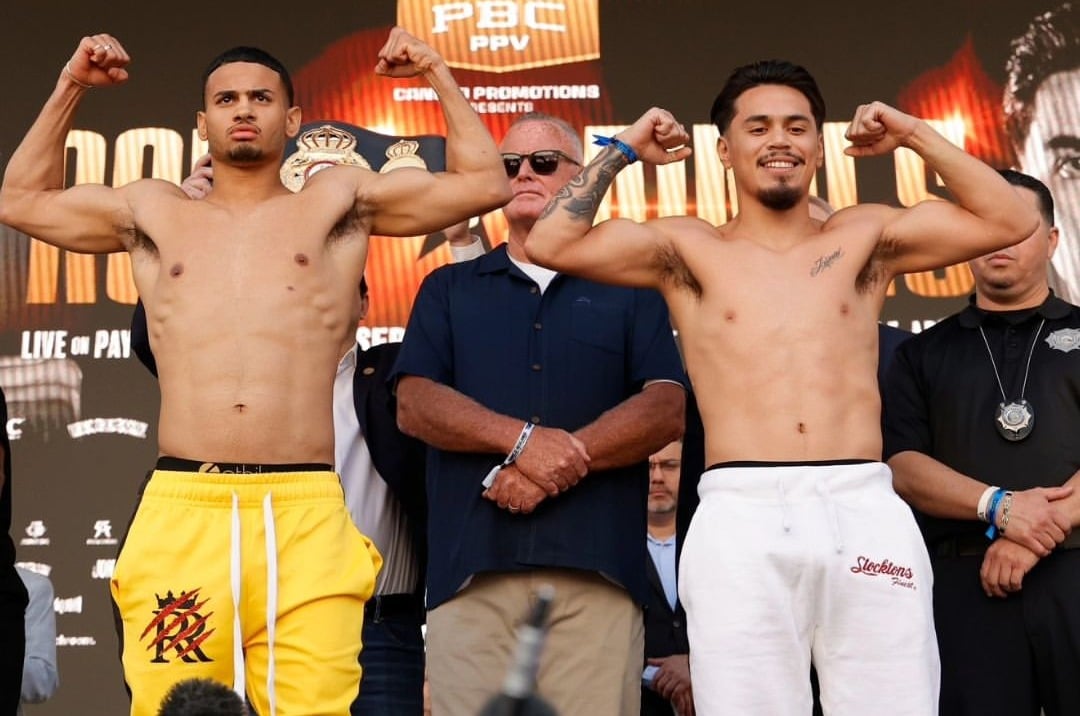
(796, 480)
(216, 489)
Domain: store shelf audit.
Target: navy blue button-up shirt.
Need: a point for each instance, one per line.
(559, 358)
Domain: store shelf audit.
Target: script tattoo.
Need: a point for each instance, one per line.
(596, 178)
(824, 262)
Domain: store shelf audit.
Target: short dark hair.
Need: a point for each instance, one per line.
(1050, 45)
(766, 72)
(1026, 181)
(256, 56)
(201, 697)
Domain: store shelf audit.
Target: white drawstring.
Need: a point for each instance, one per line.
(271, 597)
(785, 509)
(234, 577)
(830, 507)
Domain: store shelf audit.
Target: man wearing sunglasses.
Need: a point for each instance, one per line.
(567, 385)
(799, 548)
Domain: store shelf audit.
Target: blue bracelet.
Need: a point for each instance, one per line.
(626, 149)
(991, 513)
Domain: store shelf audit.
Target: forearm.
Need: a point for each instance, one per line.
(934, 488)
(448, 420)
(1071, 504)
(975, 186)
(469, 145)
(37, 165)
(570, 215)
(635, 428)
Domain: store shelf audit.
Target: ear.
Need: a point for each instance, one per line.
(1051, 242)
(820, 149)
(200, 122)
(364, 305)
(292, 121)
(723, 151)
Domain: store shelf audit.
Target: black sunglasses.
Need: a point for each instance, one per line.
(543, 162)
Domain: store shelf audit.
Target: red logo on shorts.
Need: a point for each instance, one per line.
(178, 626)
(900, 575)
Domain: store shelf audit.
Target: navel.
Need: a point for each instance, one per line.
(301, 259)
(802, 427)
(176, 270)
(729, 316)
(240, 407)
(845, 309)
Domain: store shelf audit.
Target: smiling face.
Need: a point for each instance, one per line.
(773, 145)
(247, 117)
(1016, 275)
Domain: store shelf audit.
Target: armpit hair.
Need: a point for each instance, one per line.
(140, 240)
(674, 270)
(873, 273)
(347, 225)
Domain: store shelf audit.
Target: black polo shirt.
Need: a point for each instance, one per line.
(560, 359)
(941, 398)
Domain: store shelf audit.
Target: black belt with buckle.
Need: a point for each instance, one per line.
(383, 606)
(976, 544)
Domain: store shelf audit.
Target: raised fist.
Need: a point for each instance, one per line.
(657, 137)
(877, 129)
(99, 61)
(405, 56)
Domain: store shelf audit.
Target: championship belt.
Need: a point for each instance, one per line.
(324, 144)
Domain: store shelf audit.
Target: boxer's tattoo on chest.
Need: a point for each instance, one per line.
(824, 262)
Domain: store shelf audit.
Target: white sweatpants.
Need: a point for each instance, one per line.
(784, 561)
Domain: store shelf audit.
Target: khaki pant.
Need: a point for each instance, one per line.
(592, 658)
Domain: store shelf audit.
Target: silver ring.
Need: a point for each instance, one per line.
(106, 47)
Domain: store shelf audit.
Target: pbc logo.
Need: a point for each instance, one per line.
(506, 35)
(178, 627)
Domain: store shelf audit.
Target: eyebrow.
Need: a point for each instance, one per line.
(257, 90)
(769, 117)
(1063, 141)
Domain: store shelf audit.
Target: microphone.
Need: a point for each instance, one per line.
(517, 697)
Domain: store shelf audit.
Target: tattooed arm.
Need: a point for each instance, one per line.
(619, 251)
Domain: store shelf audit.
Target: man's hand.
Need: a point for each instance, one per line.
(657, 137)
(553, 459)
(405, 56)
(201, 180)
(1035, 521)
(1004, 567)
(99, 61)
(514, 492)
(877, 129)
(674, 674)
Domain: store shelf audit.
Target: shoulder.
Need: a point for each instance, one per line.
(153, 188)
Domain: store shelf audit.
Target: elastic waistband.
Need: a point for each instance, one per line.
(179, 464)
(796, 480)
(211, 489)
(803, 463)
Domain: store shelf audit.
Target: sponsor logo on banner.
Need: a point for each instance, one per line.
(102, 534)
(178, 629)
(506, 35)
(35, 535)
(36, 567)
(62, 640)
(112, 426)
(103, 569)
(68, 605)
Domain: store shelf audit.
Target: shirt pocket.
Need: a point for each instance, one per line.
(599, 325)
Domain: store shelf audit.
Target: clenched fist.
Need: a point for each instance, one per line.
(99, 61)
